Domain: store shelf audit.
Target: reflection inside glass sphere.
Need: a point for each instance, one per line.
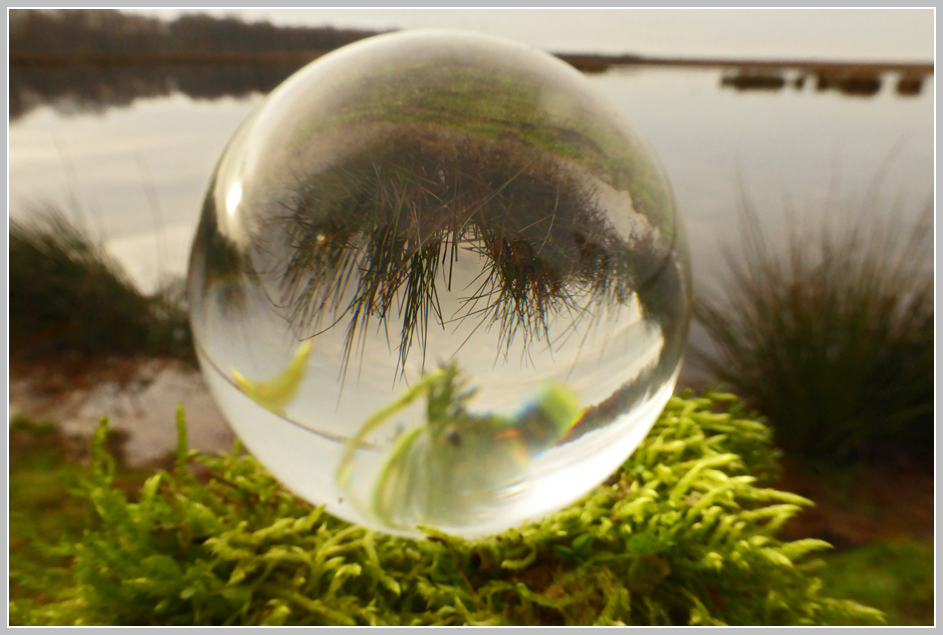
(438, 281)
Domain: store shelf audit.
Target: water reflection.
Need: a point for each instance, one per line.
(77, 88)
(746, 80)
(909, 85)
(860, 84)
(856, 83)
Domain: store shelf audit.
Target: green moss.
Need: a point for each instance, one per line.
(682, 534)
(898, 579)
(47, 503)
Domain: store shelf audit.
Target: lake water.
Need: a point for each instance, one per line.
(130, 157)
(830, 34)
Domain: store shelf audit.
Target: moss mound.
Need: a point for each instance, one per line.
(682, 534)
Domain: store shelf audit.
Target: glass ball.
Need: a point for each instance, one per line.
(438, 281)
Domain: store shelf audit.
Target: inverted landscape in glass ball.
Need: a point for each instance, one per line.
(439, 282)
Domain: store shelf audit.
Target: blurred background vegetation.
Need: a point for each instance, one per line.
(47, 34)
(67, 294)
(831, 337)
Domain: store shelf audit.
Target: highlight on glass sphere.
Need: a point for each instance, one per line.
(438, 281)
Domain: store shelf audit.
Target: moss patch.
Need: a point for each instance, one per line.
(682, 534)
(896, 577)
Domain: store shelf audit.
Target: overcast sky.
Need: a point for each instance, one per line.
(834, 34)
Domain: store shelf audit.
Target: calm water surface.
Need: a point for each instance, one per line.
(136, 174)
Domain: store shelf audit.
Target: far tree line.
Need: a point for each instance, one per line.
(39, 32)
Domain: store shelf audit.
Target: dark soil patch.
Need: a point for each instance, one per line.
(59, 375)
(862, 504)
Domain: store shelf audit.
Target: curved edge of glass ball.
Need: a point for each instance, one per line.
(511, 120)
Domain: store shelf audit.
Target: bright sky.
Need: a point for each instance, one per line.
(832, 34)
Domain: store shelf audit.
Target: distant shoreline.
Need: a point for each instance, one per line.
(590, 63)
(812, 66)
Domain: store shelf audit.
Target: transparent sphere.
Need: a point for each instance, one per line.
(438, 281)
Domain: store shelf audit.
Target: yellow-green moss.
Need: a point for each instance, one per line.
(682, 534)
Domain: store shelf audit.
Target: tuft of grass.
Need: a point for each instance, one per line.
(66, 293)
(832, 338)
(681, 534)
